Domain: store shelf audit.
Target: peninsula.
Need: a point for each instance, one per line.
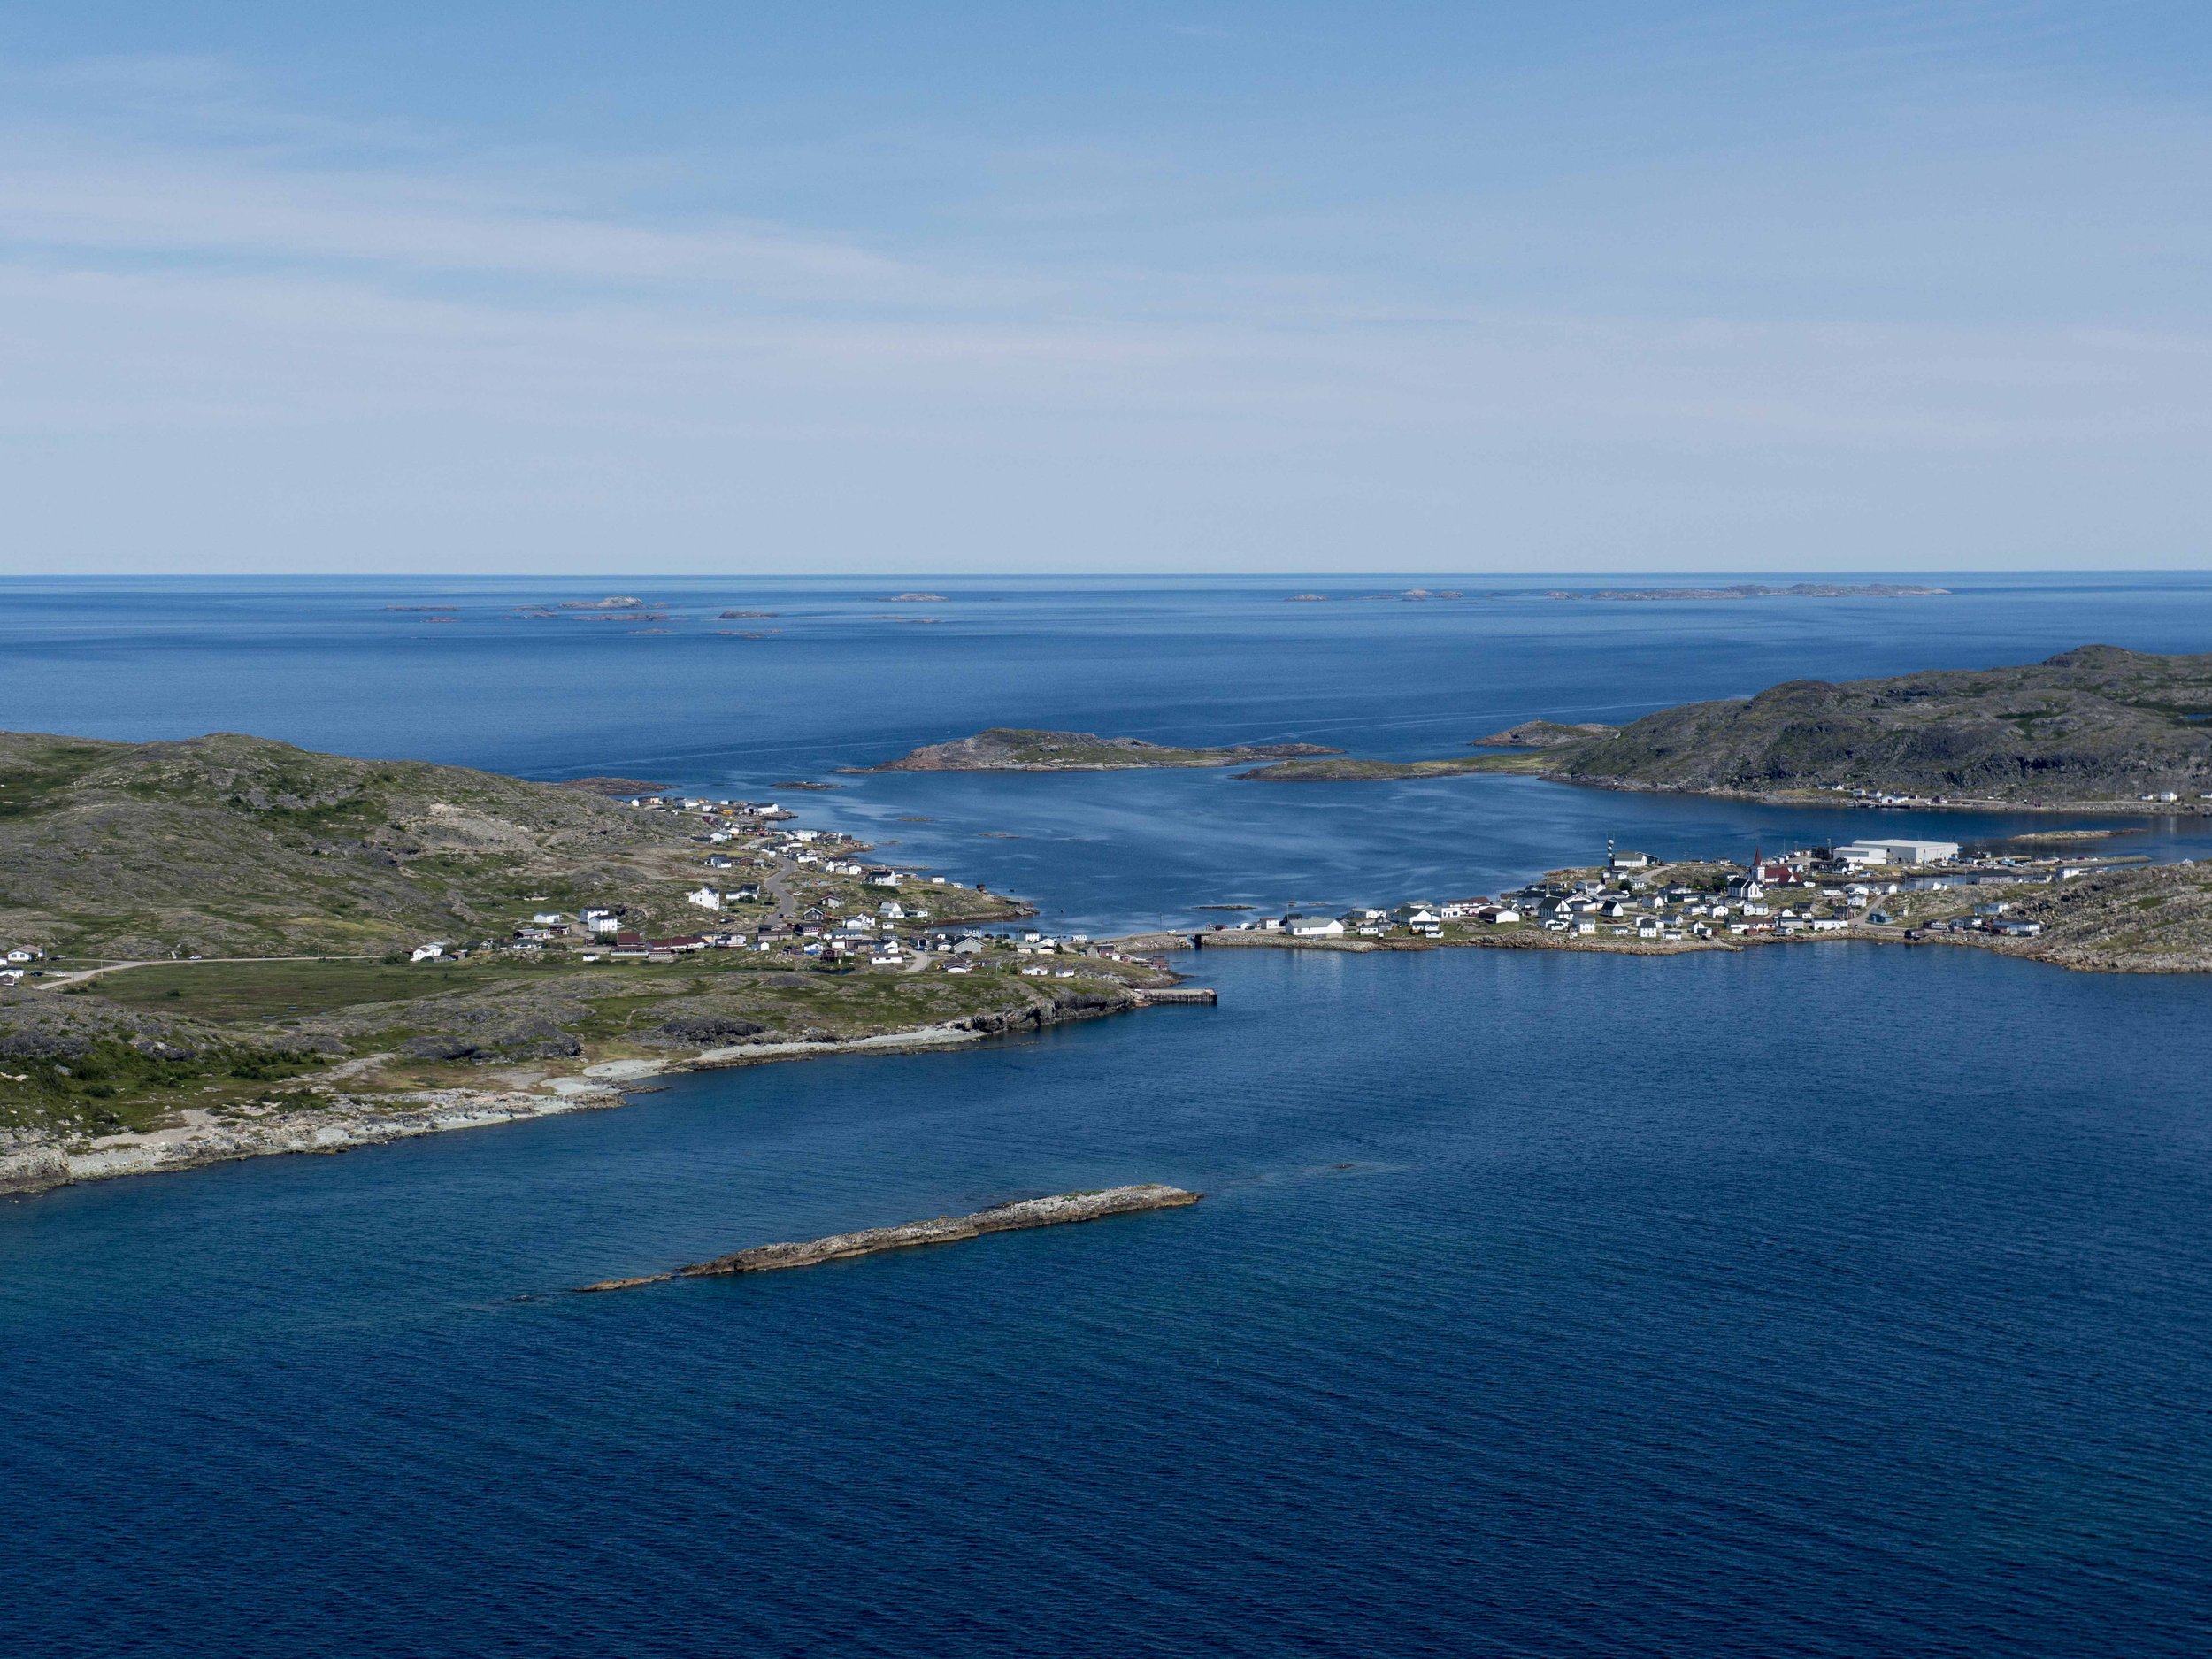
(1009, 748)
(225, 946)
(1057, 1211)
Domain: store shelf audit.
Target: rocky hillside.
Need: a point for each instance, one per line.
(2153, 919)
(237, 845)
(1009, 749)
(2096, 723)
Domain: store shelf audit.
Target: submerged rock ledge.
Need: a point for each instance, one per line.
(1030, 1212)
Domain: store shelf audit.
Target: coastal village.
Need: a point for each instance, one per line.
(1901, 889)
(770, 886)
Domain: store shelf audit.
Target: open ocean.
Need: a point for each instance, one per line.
(1829, 1300)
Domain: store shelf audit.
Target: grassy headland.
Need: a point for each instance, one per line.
(220, 934)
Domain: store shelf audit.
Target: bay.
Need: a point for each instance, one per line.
(1840, 1300)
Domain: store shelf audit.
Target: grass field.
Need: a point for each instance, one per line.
(221, 991)
(272, 990)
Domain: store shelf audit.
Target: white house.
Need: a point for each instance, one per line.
(1313, 927)
(427, 953)
(705, 898)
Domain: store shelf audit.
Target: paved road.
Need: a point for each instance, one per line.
(778, 887)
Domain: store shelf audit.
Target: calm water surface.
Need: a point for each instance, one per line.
(1837, 1301)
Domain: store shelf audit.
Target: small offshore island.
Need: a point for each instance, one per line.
(1009, 748)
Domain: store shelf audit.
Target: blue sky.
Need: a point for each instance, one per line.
(1300, 286)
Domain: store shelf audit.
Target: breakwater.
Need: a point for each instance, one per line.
(1059, 1208)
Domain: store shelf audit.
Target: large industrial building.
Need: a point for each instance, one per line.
(1898, 852)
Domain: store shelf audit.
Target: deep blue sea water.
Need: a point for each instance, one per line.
(1835, 1300)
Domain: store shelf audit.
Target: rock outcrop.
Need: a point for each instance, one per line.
(31, 1162)
(1032, 1212)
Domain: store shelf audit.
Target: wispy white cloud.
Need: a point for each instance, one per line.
(227, 334)
(71, 199)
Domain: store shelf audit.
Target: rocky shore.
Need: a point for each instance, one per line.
(1057, 1211)
(36, 1159)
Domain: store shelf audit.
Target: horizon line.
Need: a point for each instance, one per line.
(1764, 574)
